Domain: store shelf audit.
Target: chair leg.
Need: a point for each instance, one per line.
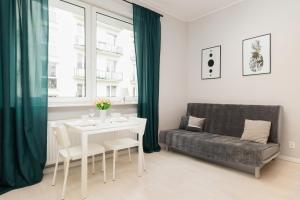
(114, 164)
(103, 163)
(117, 156)
(93, 163)
(55, 170)
(66, 166)
(144, 162)
(104, 167)
(129, 154)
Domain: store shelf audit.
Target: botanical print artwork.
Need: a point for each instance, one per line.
(257, 55)
(257, 60)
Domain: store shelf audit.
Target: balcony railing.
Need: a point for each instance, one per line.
(109, 76)
(103, 46)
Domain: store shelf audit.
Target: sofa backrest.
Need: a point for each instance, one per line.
(229, 119)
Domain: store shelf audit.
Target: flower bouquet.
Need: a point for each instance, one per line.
(103, 105)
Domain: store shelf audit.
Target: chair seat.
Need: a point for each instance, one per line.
(75, 152)
(121, 143)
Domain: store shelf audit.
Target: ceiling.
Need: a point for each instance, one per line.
(189, 10)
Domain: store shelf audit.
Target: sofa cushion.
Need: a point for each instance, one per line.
(221, 148)
(256, 131)
(195, 124)
(162, 136)
(229, 119)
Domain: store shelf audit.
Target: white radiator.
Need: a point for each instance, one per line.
(52, 147)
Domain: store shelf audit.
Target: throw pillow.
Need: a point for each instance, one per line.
(256, 131)
(195, 124)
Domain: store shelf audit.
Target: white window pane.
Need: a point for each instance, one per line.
(66, 50)
(116, 70)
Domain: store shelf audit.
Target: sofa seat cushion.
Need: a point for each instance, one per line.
(162, 137)
(221, 148)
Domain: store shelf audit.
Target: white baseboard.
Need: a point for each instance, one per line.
(289, 159)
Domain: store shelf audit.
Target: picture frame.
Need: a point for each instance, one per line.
(211, 63)
(256, 55)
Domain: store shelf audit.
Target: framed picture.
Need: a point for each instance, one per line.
(211, 63)
(257, 55)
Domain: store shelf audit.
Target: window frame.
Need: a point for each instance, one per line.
(90, 30)
(87, 17)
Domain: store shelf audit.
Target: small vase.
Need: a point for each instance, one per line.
(103, 115)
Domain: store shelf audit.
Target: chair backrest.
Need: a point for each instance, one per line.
(143, 122)
(61, 134)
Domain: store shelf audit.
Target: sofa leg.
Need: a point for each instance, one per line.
(257, 172)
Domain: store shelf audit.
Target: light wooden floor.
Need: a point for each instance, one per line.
(176, 177)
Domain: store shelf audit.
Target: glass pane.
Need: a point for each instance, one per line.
(116, 69)
(67, 76)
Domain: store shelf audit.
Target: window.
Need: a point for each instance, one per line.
(117, 51)
(66, 52)
(111, 39)
(52, 83)
(111, 91)
(111, 65)
(91, 54)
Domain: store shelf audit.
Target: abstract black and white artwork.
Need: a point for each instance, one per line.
(257, 55)
(211, 63)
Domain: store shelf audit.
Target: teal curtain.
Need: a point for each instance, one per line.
(147, 36)
(23, 92)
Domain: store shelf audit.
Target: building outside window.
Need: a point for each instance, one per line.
(52, 83)
(114, 63)
(52, 69)
(64, 33)
(79, 90)
(80, 60)
(111, 91)
(111, 65)
(117, 56)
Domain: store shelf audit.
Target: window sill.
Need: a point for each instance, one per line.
(82, 104)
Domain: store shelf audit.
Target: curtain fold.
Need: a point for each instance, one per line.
(147, 37)
(23, 92)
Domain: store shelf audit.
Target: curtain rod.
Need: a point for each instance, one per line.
(133, 3)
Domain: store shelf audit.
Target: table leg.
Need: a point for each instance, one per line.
(84, 143)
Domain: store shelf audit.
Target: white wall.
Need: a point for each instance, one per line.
(173, 82)
(228, 28)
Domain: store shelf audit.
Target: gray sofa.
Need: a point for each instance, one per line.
(220, 140)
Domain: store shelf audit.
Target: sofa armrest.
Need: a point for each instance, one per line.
(162, 136)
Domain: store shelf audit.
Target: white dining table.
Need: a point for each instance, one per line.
(86, 128)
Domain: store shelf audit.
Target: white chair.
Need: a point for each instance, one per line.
(124, 143)
(69, 153)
